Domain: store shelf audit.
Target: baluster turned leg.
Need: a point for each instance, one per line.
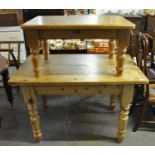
(112, 48)
(36, 62)
(45, 49)
(30, 100)
(123, 42)
(120, 58)
(126, 98)
(33, 43)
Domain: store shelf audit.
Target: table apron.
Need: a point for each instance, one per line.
(77, 90)
(77, 34)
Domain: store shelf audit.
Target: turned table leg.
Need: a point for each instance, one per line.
(123, 41)
(33, 43)
(126, 98)
(30, 100)
(112, 48)
(45, 49)
(112, 102)
(36, 62)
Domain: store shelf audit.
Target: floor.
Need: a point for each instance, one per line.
(69, 120)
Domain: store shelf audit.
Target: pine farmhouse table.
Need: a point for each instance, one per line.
(114, 74)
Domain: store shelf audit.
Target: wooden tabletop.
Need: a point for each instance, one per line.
(75, 22)
(87, 69)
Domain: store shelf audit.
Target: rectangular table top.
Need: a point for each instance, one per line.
(76, 22)
(79, 69)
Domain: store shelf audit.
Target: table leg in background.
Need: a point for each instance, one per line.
(112, 102)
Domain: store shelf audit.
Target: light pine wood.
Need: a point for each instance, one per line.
(81, 27)
(126, 98)
(45, 49)
(112, 102)
(64, 89)
(33, 42)
(36, 63)
(112, 47)
(123, 40)
(78, 22)
(78, 69)
(78, 75)
(30, 99)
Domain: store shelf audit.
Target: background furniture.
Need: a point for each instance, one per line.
(150, 24)
(11, 47)
(5, 77)
(10, 17)
(148, 92)
(138, 20)
(10, 36)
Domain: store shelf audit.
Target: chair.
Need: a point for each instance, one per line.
(135, 45)
(151, 38)
(10, 47)
(5, 77)
(139, 89)
(144, 62)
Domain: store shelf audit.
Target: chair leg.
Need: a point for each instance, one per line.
(133, 104)
(145, 107)
(153, 110)
(138, 92)
(45, 104)
(14, 59)
(0, 122)
(7, 87)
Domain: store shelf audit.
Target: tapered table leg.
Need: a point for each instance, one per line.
(126, 98)
(30, 100)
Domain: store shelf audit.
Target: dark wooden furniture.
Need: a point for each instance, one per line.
(5, 77)
(137, 46)
(150, 24)
(144, 62)
(138, 20)
(10, 17)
